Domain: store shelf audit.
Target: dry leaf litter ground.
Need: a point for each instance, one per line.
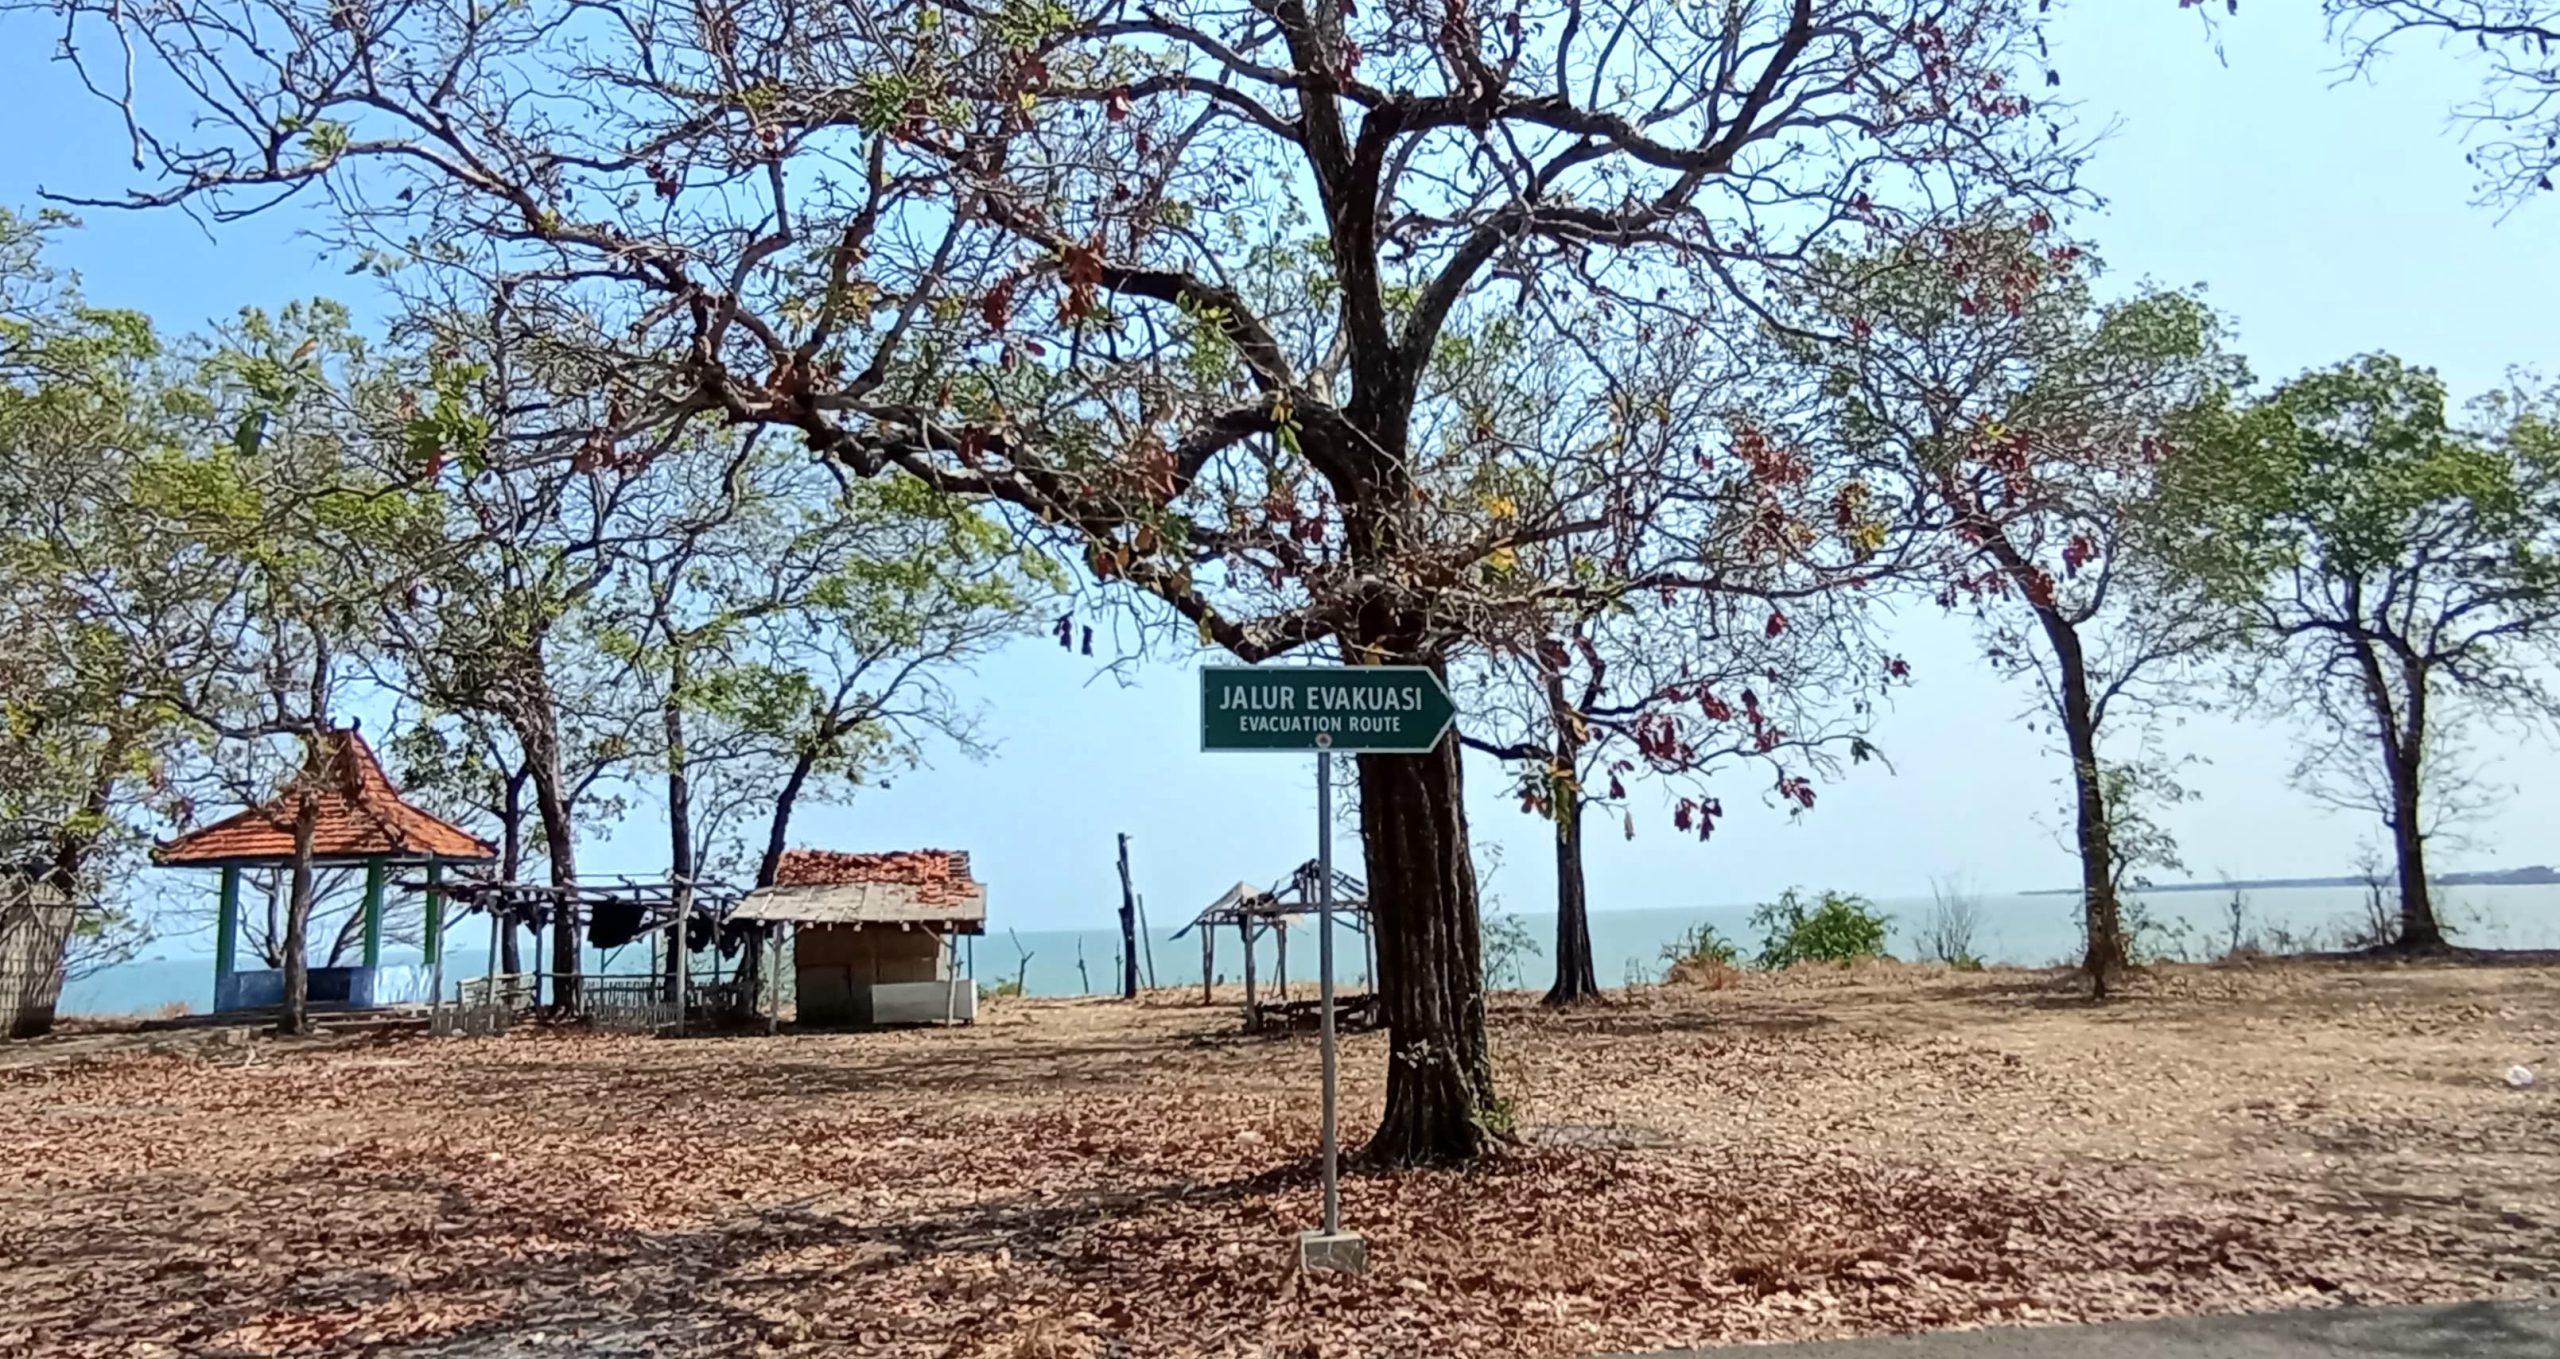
(1807, 1155)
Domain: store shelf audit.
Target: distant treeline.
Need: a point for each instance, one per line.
(2533, 876)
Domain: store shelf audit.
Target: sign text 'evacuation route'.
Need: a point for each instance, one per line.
(1390, 709)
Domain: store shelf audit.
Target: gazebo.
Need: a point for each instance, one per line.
(360, 821)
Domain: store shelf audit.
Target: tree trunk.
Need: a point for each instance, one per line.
(77, 837)
(1575, 980)
(2420, 931)
(2419, 928)
(679, 819)
(1422, 897)
(778, 835)
(560, 846)
(511, 868)
(295, 1016)
(1128, 927)
(275, 889)
(2102, 916)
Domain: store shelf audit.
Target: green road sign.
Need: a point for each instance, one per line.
(1388, 709)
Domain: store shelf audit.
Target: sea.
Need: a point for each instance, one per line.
(1628, 946)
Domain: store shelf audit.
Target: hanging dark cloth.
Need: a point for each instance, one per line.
(612, 924)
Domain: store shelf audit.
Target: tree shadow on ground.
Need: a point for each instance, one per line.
(682, 1292)
(790, 1069)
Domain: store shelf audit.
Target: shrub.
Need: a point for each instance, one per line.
(1700, 944)
(2376, 925)
(2247, 942)
(1837, 927)
(1506, 944)
(2151, 934)
(1955, 918)
(1701, 957)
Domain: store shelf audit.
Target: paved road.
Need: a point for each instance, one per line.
(2472, 1330)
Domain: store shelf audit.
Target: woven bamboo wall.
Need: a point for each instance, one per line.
(35, 921)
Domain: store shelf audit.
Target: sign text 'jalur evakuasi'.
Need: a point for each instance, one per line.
(1378, 708)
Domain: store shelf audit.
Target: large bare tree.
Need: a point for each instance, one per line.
(2513, 124)
(1175, 286)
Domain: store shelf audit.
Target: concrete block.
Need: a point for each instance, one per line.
(922, 1002)
(1342, 1251)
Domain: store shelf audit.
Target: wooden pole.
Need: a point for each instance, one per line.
(773, 983)
(1147, 937)
(942, 949)
(1128, 926)
(1208, 961)
(491, 999)
(1245, 928)
(1280, 942)
(679, 968)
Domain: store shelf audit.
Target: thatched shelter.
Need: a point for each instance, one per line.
(873, 935)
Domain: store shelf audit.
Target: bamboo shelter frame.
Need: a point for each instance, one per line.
(1255, 911)
(665, 904)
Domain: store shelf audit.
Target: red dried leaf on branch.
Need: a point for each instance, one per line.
(997, 306)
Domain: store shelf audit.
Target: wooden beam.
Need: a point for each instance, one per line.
(374, 876)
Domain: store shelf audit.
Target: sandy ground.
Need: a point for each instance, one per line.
(1812, 1155)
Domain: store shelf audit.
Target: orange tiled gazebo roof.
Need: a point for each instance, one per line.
(361, 818)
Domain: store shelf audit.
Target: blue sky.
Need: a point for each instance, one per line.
(2325, 221)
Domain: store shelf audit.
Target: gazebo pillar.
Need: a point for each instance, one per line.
(373, 878)
(226, 940)
(435, 937)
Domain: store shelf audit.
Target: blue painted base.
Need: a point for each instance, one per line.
(352, 987)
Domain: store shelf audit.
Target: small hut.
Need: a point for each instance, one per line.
(360, 822)
(35, 922)
(875, 936)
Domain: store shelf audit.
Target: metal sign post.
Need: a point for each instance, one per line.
(1382, 709)
(1324, 987)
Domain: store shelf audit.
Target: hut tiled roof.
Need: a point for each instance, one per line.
(831, 887)
(361, 816)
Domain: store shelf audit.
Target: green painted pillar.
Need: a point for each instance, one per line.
(226, 931)
(435, 915)
(373, 880)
